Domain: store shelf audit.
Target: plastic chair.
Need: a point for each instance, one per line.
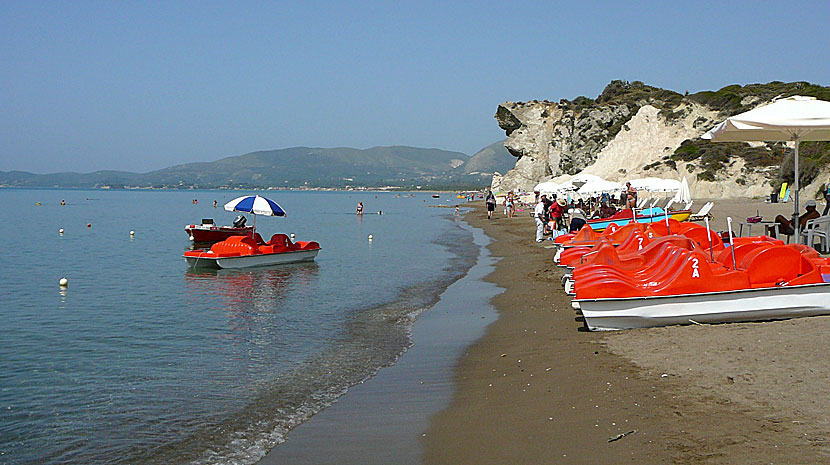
(817, 228)
(703, 212)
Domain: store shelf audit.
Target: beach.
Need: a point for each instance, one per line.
(537, 388)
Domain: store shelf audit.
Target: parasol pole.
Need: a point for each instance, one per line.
(731, 243)
(709, 235)
(795, 183)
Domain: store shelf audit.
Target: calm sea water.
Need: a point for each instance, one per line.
(142, 360)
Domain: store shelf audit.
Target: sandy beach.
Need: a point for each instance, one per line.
(537, 388)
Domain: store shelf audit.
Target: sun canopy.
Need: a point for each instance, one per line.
(599, 186)
(547, 187)
(789, 119)
(656, 184)
(255, 204)
(795, 119)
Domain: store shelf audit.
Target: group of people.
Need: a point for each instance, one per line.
(509, 204)
(552, 214)
(556, 214)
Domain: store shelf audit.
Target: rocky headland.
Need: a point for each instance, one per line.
(632, 130)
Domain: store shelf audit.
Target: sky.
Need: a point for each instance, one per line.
(140, 86)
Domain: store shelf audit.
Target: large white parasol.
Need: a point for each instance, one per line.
(793, 119)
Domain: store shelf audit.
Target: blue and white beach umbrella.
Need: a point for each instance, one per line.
(256, 205)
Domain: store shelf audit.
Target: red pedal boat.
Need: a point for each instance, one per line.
(248, 251)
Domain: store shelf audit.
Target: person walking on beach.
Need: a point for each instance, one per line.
(539, 215)
(509, 205)
(491, 204)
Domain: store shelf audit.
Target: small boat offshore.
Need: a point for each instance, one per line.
(208, 232)
(251, 250)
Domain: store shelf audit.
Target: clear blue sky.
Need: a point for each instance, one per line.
(140, 86)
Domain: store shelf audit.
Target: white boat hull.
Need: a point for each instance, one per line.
(714, 307)
(247, 261)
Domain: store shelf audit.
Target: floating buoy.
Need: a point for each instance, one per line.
(370, 237)
(60, 231)
(132, 233)
(191, 238)
(63, 282)
(89, 225)
(37, 203)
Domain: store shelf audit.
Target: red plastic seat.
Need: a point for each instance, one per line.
(235, 245)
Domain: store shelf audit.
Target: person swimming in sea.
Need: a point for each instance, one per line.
(359, 209)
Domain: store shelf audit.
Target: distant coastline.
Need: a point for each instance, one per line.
(301, 168)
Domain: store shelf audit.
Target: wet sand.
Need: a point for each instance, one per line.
(538, 389)
(381, 420)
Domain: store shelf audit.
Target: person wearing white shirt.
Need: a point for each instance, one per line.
(539, 214)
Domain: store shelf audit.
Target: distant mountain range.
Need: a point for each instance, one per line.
(341, 167)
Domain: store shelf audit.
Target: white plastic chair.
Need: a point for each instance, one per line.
(817, 228)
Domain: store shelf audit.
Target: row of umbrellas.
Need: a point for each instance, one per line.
(587, 184)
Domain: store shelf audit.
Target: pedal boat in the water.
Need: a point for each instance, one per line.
(247, 251)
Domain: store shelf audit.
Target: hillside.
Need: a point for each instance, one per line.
(340, 167)
(633, 130)
(491, 159)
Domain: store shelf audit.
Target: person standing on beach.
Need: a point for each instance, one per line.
(539, 215)
(631, 196)
(556, 210)
(578, 218)
(509, 205)
(491, 204)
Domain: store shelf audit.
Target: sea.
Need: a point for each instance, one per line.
(140, 359)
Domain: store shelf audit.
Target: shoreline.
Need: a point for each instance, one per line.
(380, 419)
(539, 389)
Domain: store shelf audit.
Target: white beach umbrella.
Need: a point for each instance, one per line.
(684, 195)
(653, 184)
(795, 119)
(599, 186)
(547, 187)
(670, 185)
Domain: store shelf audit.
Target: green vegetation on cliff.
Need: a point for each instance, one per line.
(735, 99)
